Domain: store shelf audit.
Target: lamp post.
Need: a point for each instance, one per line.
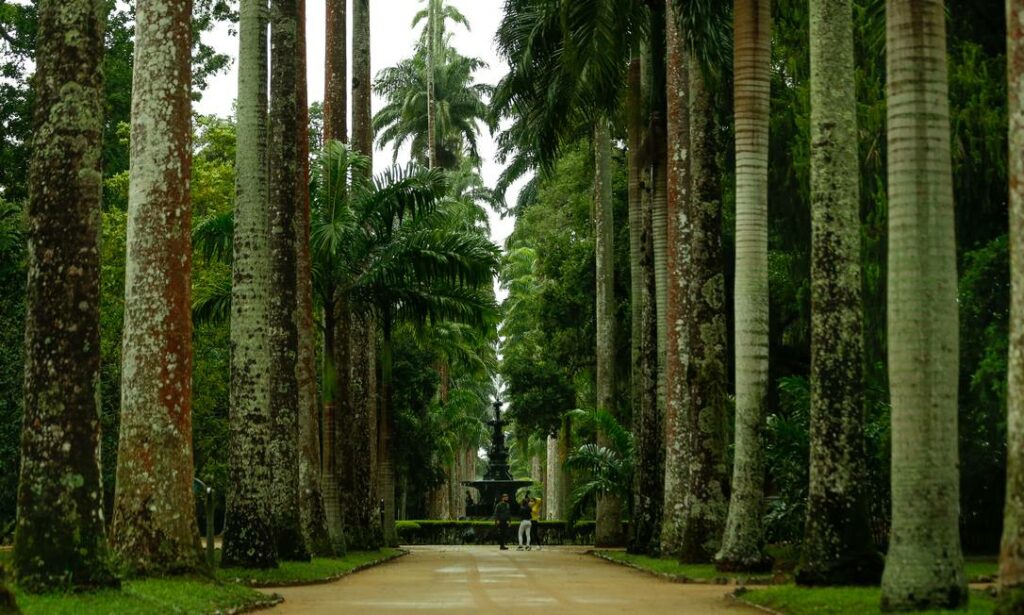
(210, 559)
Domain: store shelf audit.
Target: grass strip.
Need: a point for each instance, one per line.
(318, 570)
(792, 600)
(156, 596)
(680, 573)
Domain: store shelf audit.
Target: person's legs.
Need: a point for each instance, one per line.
(522, 526)
(529, 526)
(535, 532)
(502, 528)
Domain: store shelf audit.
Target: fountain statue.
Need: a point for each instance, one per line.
(498, 479)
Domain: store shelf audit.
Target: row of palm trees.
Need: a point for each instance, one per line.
(368, 254)
(572, 64)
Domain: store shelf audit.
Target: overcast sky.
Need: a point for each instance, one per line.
(392, 39)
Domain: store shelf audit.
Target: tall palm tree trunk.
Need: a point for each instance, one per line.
(336, 72)
(311, 499)
(677, 390)
(553, 476)
(654, 74)
(154, 527)
(837, 548)
(645, 520)
(924, 567)
(1011, 557)
(248, 537)
(608, 529)
(338, 368)
(743, 543)
(432, 47)
(385, 454)
(59, 540)
(706, 504)
(283, 308)
(364, 337)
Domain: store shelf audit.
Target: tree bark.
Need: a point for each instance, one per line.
(154, 527)
(924, 567)
(654, 75)
(336, 310)
(608, 529)
(385, 454)
(707, 498)
(551, 487)
(59, 540)
(432, 46)
(283, 313)
(1011, 557)
(357, 428)
(248, 536)
(648, 486)
(837, 548)
(311, 499)
(677, 402)
(743, 542)
(336, 69)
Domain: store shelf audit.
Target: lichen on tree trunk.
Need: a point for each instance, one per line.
(837, 547)
(924, 566)
(248, 539)
(743, 541)
(676, 343)
(1011, 557)
(282, 313)
(154, 526)
(59, 539)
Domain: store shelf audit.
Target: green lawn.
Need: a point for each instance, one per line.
(839, 600)
(670, 567)
(180, 595)
(981, 569)
(318, 570)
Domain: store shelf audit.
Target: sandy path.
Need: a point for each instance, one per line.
(453, 580)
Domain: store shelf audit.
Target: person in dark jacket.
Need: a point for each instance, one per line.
(502, 515)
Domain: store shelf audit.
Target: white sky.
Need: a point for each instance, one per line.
(392, 40)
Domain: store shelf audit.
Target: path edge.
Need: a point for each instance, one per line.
(679, 578)
(331, 579)
(737, 597)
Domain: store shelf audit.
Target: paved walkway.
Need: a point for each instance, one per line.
(455, 580)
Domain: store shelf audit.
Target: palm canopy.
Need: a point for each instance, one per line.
(461, 104)
(397, 247)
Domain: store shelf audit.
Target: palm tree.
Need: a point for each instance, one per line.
(460, 107)
(678, 239)
(743, 542)
(607, 470)
(336, 72)
(436, 13)
(283, 338)
(154, 527)
(837, 548)
(59, 541)
(924, 567)
(311, 500)
(608, 531)
(402, 256)
(1011, 566)
(248, 537)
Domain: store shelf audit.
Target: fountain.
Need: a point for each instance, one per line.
(497, 480)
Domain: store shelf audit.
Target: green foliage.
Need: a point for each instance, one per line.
(603, 470)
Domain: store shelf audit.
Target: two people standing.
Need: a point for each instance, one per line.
(528, 511)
